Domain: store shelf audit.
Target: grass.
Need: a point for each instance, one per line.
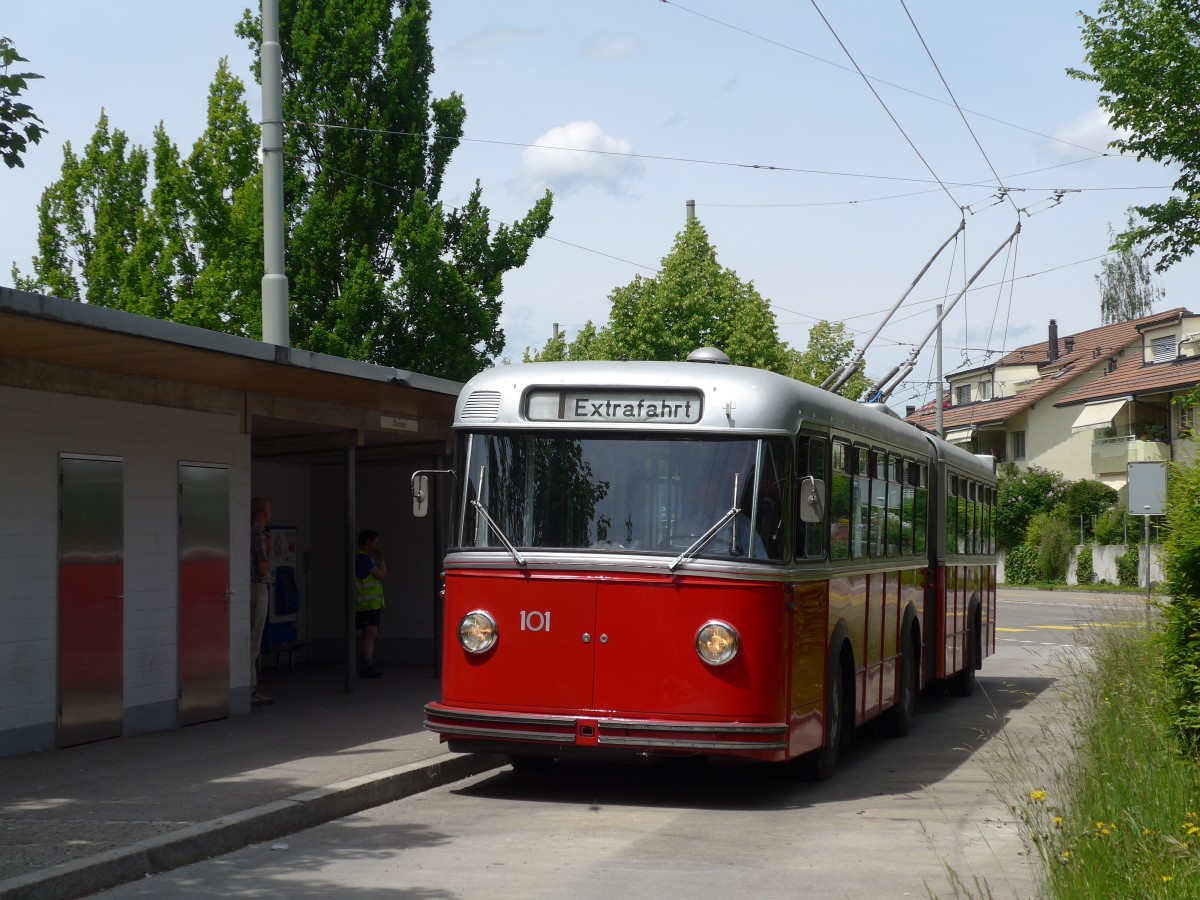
(1118, 814)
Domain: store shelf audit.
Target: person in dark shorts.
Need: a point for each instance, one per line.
(370, 570)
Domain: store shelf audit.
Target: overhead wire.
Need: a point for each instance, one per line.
(890, 84)
(954, 99)
(886, 109)
(766, 167)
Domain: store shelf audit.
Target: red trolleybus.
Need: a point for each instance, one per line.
(664, 559)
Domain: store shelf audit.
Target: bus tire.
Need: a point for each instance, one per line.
(962, 682)
(820, 763)
(897, 721)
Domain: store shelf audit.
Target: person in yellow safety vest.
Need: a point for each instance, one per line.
(370, 570)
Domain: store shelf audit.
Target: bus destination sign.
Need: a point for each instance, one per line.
(619, 407)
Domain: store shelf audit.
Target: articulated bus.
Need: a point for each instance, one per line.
(662, 559)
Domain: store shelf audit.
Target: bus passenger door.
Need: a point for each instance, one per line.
(545, 652)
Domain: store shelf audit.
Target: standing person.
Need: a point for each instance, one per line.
(260, 592)
(369, 572)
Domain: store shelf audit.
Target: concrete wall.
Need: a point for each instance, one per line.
(1104, 564)
(35, 427)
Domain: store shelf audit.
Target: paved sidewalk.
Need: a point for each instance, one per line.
(77, 820)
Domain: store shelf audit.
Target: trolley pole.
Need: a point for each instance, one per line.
(937, 356)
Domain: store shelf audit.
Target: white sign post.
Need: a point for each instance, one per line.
(1147, 497)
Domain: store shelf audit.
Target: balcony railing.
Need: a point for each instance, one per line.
(1111, 455)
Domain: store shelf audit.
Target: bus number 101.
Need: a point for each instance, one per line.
(535, 621)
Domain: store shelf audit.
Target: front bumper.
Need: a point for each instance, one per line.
(569, 734)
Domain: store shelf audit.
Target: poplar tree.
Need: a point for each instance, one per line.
(379, 267)
(1127, 288)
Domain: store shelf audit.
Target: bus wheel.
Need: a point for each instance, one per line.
(530, 765)
(898, 720)
(962, 682)
(819, 765)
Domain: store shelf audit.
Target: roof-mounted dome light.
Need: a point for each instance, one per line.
(709, 355)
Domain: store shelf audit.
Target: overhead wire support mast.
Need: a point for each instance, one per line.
(845, 372)
(884, 387)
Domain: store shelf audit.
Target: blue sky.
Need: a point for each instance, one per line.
(822, 194)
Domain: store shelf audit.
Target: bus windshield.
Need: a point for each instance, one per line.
(622, 493)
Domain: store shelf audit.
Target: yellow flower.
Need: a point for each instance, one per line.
(1037, 796)
(1064, 857)
(1166, 879)
(1058, 821)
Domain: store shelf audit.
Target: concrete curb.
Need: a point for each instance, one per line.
(203, 840)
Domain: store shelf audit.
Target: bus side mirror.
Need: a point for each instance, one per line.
(420, 492)
(812, 499)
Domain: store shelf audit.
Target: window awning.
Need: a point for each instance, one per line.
(960, 435)
(1099, 415)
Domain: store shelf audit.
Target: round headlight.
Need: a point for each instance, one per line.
(716, 643)
(477, 632)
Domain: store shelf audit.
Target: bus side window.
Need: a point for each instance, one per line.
(840, 501)
(920, 507)
(860, 533)
(906, 507)
(895, 470)
(878, 536)
(952, 514)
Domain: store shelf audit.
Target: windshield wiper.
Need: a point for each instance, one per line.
(517, 557)
(704, 538)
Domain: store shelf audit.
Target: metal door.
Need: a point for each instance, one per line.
(203, 593)
(91, 579)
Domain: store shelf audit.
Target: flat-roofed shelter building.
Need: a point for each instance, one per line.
(130, 449)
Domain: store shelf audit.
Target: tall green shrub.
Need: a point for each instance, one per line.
(1127, 567)
(1052, 538)
(1180, 635)
(1020, 565)
(1115, 525)
(1085, 567)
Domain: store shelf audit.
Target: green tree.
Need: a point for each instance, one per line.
(19, 124)
(692, 302)
(1020, 496)
(1127, 288)
(379, 268)
(829, 345)
(1145, 57)
(89, 223)
(1085, 501)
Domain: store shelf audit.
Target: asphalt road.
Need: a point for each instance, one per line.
(922, 816)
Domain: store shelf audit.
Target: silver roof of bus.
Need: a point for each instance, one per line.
(734, 399)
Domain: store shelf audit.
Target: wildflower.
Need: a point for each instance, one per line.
(1037, 796)
(1058, 821)
(1166, 879)
(1064, 857)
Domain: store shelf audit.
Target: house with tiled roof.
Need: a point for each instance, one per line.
(1084, 404)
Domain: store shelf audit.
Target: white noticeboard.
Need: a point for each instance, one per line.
(1147, 488)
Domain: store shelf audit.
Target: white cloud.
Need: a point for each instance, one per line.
(610, 46)
(1091, 130)
(483, 42)
(574, 157)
